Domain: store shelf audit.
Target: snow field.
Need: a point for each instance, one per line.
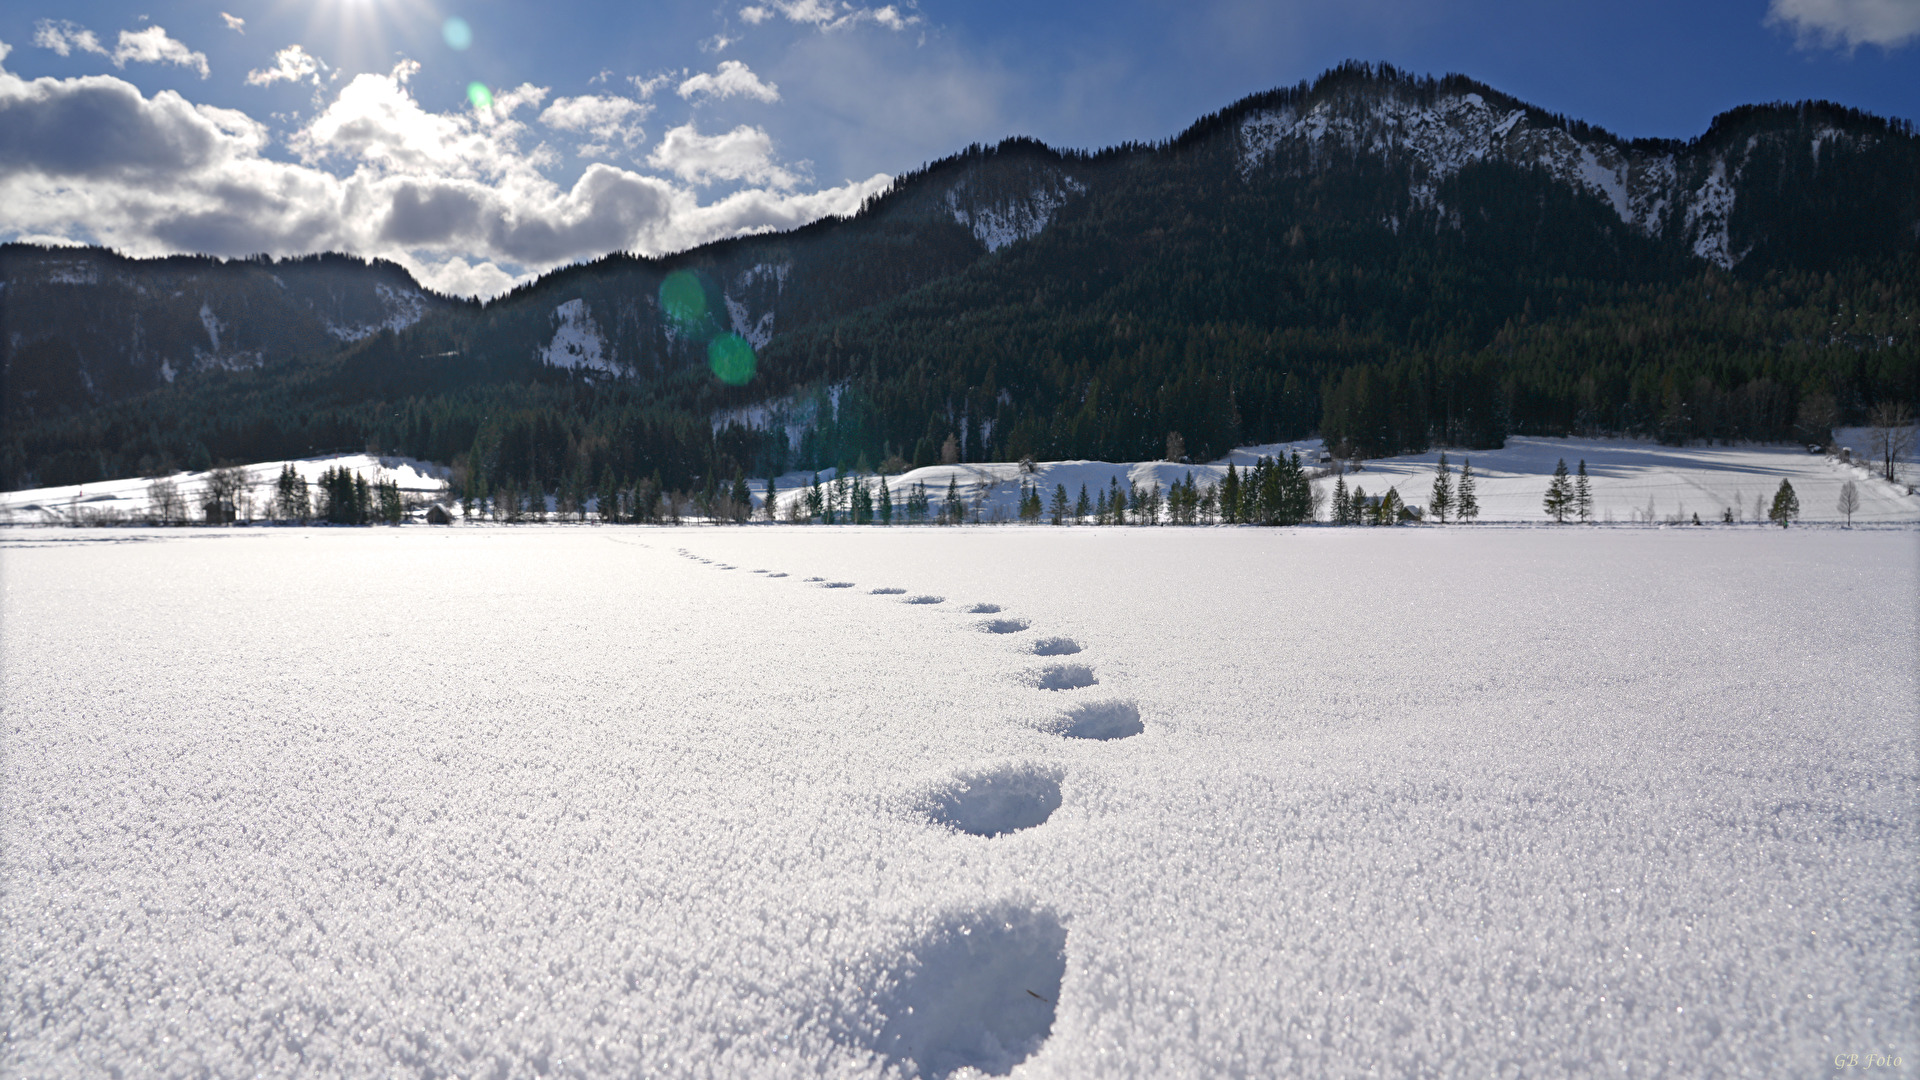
(562, 801)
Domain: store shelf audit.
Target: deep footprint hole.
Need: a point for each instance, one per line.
(996, 801)
(985, 609)
(1100, 721)
(924, 600)
(1005, 626)
(888, 592)
(1065, 677)
(838, 585)
(1055, 646)
(976, 991)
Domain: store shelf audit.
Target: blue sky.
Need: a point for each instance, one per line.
(360, 124)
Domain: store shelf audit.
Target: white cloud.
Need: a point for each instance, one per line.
(745, 153)
(291, 64)
(717, 43)
(647, 87)
(733, 79)
(605, 118)
(235, 23)
(1886, 23)
(63, 37)
(456, 197)
(826, 14)
(153, 46)
(5, 51)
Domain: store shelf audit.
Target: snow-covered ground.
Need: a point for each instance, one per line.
(127, 499)
(561, 801)
(1632, 481)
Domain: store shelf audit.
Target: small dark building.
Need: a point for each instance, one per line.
(438, 515)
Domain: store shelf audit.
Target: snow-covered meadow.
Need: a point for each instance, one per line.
(800, 801)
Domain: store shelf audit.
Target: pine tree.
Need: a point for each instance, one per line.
(955, 508)
(1340, 498)
(1230, 496)
(1465, 506)
(1786, 505)
(1059, 503)
(817, 503)
(1441, 502)
(1083, 507)
(742, 498)
(1101, 511)
(1390, 507)
(1559, 498)
(886, 502)
(1117, 503)
(1583, 495)
(772, 505)
(862, 503)
(1358, 512)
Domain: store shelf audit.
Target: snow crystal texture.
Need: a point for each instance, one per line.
(563, 801)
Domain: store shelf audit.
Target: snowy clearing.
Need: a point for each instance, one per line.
(562, 801)
(1632, 481)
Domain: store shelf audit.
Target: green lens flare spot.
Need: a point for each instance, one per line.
(731, 358)
(684, 300)
(457, 33)
(481, 97)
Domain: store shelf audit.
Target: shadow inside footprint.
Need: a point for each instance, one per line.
(985, 609)
(924, 600)
(781, 574)
(1055, 646)
(888, 592)
(1005, 626)
(1065, 677)
(838, 585)
(977, 991)
(1099, 720)
(993, 802)
(813, 579)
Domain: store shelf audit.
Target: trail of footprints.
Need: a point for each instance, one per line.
(977, 991)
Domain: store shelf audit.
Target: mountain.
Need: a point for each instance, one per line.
(1391, 261)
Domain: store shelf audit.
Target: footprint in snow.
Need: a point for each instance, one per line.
(813, 579)
(888, 591)
(1101, 721)
(973, 991)
(924, 600)
(1055, 646)
(1064, 677)
(837, 585)
(1004, 626)
(781, 574)
(985, 609)
(994, 801)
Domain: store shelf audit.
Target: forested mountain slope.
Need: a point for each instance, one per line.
(1387, 260)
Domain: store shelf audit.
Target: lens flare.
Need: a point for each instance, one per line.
(479, 95)
(457, 34)
(684, 300)
(731, 359)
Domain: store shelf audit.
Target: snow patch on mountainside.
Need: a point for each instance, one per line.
(998, 224)
(212, 323)
(757, 332)
(404, 308)
(1452, 133)
(1707, 216)
(577, 341)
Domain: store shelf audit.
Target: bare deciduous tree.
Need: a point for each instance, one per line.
(1849, 503)
(1892, 423)
(163, 501)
